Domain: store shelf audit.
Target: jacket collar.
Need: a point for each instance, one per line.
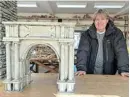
(110, 28)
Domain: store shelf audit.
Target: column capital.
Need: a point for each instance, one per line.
(7, 42)
(16, 42)
(71, 43)
(64, 43)
(61, 43)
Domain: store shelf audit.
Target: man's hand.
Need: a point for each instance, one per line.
(79, 73)
(125, 74)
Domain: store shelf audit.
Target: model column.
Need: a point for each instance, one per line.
(17, 67)
(71, 61)
(62, 69)
(70, 86)
(21, 73)
(8, 66)
(66, 63)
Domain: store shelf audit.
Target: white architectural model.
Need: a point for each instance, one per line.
(21, 36)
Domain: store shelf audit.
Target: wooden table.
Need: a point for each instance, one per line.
(44, 85)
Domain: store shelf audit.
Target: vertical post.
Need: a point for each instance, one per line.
(71, 61)
(57, 32)
(62, 34)
(62, 70)
(28, 73)
(66, 63)
(24, 71)
(71, 32)
(21, 73)
(7, 29)
(17, 67)
(8, 65)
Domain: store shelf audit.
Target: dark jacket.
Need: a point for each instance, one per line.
(115, 54)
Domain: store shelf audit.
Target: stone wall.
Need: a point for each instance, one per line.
(8, 12)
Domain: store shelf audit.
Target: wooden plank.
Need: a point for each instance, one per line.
(52, 70)
(44, 85)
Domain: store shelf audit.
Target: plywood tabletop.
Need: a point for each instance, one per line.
(44, 85)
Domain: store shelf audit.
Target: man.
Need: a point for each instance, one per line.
(102, 48)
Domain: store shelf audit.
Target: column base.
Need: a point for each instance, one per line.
(16, 85)
(28, 79)
(7, 85)
(66, 86)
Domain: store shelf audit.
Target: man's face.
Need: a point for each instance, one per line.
(100, 22)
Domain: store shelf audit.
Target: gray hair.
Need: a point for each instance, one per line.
(101, 11)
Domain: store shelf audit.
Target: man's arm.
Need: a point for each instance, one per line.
(82, 53)
(121, 52)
